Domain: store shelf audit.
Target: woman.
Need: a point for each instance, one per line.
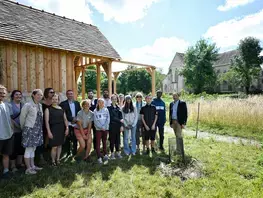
(121, 100)
(115, 127)
(16, 158)
(57, 129)
(83, 129)
(130, 118)
(101, 122)
(31, 121)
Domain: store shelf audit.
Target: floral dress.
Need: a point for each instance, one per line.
(33, 137)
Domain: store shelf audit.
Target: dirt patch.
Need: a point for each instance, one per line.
(190, 169)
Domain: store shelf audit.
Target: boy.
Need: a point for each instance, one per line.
(6, 132)
(149, 119)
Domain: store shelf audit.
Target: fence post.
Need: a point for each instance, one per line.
(198, 115)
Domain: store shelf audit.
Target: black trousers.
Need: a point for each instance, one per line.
(161, 134)
(71, 141)
(94, 135)
(115, 137)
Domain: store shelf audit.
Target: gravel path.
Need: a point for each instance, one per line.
(221, 138)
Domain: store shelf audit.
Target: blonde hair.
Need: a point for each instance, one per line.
(2, 87)
(83, 102)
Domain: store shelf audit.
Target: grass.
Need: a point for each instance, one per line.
(225, 115)
(229, 171)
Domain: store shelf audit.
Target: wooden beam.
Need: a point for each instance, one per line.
(19, 67)
(98, 80)
(115, 74)
(83, 83)
(153, 82)
(105, 68)
(110, 78)
(134, 69)
(133, 63)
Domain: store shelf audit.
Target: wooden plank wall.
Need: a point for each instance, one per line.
(28, 67)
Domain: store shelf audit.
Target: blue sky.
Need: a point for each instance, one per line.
(152, 31)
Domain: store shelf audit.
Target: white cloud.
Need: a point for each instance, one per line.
(227, 34)
(159, 54)
(229, 4)
(122, 11)
(77, 9)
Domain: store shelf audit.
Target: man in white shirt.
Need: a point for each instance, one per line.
(106, 98)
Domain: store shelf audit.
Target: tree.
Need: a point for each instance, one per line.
(159, 77)
(231, 77)
(198, 71)
(247, 63)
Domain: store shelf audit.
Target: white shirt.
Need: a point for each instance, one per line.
(73, 111)
(107, 102)
(175, 108)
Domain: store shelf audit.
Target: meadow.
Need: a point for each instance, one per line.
(223, 114)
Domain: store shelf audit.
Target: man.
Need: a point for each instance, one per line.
(178, 119)
(106, 98)
(149, 119)
(160, 107)
(139, 104)
(71, 108)
(6, 131)
(92, 108)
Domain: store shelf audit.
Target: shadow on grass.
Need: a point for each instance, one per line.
(20, 184)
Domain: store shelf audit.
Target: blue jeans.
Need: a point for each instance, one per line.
(127, 149)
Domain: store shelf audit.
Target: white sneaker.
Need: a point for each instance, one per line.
(112, 156)
(100, 160)
(119, 155)
(105, 158)
(36, 168)
(30, 171)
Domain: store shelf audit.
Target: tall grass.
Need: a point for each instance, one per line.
(239, 117)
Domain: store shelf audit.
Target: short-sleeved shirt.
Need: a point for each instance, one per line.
(85, 118)
(149, 112)
(6, 131)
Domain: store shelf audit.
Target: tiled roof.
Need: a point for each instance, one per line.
(25, 24)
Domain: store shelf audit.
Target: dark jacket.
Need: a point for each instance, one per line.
(65, 106)
(181, 112)
(160, 107)
(115, 115)
(93, 105)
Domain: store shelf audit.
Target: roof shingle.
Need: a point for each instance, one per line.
(25, 24)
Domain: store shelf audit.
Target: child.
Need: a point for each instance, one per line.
(115, 127)
(101, 122)
(149, 119)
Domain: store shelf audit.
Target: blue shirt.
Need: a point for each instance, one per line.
(175, 108)
(160, 107)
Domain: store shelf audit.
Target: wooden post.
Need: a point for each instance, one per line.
(110, 78)
(83, 83)
(197, 121)
(153, 81)
(116, 74)
(98, 80)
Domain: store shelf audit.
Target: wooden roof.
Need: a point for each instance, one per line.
(28, 25)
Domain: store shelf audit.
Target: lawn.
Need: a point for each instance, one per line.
(228, 171)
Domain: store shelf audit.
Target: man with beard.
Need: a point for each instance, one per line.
(92, 108)
(106, 98)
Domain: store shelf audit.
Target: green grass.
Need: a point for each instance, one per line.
(229, 171)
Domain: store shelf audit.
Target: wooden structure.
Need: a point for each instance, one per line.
(40, 49)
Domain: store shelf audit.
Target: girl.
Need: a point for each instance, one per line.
(83, 129)
(101, 122)
(130, 118)
(57, 128)
(31, 121)
(18, 152)
(115, 127)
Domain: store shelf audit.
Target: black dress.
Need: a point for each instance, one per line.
(57, 126)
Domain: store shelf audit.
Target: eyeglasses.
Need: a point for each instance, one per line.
(3, 93)
(138, 97)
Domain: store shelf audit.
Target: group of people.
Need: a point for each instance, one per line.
(73, 127)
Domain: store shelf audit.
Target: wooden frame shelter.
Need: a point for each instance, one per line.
(40, 49)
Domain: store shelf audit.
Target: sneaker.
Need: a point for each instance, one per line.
(133, 154)
(112, 156)
(119, 156)
(30, 171)
(147, 151)
(14, 170)
(100, 160)
(36, 168)
(105, 158)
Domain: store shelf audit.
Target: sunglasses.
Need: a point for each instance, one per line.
(52, 92)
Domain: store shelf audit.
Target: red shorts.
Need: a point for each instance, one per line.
(79, 135)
